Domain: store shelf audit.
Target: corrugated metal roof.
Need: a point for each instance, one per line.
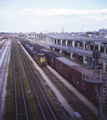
(66, 61)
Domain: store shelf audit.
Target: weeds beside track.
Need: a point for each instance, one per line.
(23, 91)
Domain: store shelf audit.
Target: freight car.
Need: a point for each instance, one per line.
(51, 58)
(63, 66)
(88, 89)
(73, 74)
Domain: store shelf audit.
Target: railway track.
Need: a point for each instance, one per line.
(3, 74)
(45, 110)
(75, 103)
(20, 100)
(25, 99)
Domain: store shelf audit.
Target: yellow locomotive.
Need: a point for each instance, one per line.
(41, 59)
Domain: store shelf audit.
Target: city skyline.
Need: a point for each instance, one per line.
(39, 15)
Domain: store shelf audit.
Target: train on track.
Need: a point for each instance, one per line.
(39, 57)
(68, 69)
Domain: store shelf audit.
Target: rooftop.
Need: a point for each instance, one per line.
(66, 61)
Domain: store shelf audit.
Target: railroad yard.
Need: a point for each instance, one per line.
(53, 60)
(41, 93)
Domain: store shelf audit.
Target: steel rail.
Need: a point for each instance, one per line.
(33, 87)
(41, 89)
(22, 88)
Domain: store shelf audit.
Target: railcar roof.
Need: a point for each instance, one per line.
(66, 61)
(45, 50)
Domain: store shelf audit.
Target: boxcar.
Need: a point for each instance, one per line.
(87, 88)
(51, 58)
(63, 66)
(76, 76)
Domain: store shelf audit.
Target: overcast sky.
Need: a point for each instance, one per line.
(53, 15)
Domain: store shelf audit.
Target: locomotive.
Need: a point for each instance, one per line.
(40, 58)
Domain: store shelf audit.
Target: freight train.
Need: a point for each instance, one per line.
(68, 69)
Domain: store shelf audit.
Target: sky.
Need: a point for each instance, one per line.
(52, 15)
